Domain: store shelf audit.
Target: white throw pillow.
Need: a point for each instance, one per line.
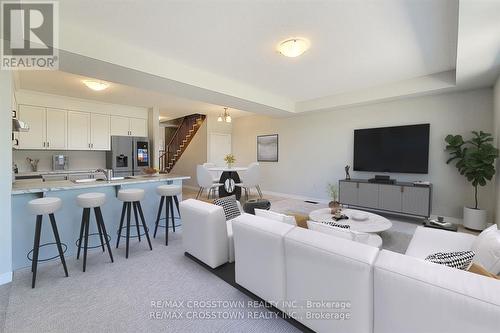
(487, 249)
(275, 216)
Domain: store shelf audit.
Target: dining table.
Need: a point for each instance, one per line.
(229, 178)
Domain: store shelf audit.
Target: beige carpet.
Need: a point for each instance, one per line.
(116, 297)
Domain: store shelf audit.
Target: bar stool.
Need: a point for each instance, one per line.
(132, 197)
(88, 201)
(170, 193)
(40, 207)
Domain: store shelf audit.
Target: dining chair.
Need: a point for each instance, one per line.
(205, 181)
(251, 179)
(215, 174)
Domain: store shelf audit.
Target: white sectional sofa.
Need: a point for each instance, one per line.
(206, 234)
(387, 292)
(415, 296)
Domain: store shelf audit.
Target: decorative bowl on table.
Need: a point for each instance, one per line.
(150, 172)
(358, 216)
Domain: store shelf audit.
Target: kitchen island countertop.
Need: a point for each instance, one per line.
(39, 186)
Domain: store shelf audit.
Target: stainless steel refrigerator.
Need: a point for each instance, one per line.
(128, 155)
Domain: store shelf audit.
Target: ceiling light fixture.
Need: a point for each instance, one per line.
(225, 117)
(96, 85)
(293, 47)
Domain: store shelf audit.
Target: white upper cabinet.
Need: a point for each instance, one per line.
(100, 128)
(56, 129)
(120, 125)
(34, 116)
(126, 126)
(79, 130)
(138, 127)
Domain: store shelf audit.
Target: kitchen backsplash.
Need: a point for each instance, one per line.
(77, 160)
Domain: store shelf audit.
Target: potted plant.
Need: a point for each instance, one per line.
(230, 160)
(474, 160)
(333, 193)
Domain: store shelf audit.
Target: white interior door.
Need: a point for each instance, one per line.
(219, 147)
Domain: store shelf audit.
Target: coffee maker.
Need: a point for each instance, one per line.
(59, 162)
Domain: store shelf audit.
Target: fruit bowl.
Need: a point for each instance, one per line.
(150, 172)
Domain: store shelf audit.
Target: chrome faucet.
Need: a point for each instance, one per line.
(108, 173)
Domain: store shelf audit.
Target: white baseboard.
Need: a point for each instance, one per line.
(5, 278)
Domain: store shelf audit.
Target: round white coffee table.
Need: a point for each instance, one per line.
(373, 224)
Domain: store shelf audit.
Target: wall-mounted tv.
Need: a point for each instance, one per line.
(401, 149)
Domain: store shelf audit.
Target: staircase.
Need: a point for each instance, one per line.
(180, 141)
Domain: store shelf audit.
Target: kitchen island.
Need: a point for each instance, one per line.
(70, 215)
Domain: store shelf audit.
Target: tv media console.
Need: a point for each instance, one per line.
(399, 197)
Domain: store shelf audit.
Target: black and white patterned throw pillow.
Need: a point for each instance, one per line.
(460, 259)
(229, 205)
(338, 225)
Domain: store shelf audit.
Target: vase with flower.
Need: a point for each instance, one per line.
(334, 204)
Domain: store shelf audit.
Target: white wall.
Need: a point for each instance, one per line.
(6, 86)
(314, 148)
(496, 115)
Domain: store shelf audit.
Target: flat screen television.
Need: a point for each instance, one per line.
(401, 149)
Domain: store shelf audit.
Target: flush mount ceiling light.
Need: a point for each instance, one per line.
(293, 47)
(225, 117)
(95, 85)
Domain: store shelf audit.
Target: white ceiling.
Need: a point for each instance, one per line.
(354, 44)
(66, 84)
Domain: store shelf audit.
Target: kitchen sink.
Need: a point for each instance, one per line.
(93, 180)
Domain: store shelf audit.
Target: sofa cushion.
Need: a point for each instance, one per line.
(230, 206)
(204, 232)
(320, 267)
(275, 216)
(415, 296)
(459, 259)
(427, 241)
(259, 256)
(487, 248)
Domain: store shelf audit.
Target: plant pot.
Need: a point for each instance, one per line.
(474, 219)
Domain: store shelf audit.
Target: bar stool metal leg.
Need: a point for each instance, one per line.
(100, 221)
(86, 240)
(138, 203)
(127, 239)
(99, 230)
(158, 216)
(166, 220)
(137, 223)
(121, 224)
(58, 242)
(172, 212)
(36, 245)
(82, 225)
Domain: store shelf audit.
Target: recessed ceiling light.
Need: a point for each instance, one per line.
(293, 47)
(95, 85)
